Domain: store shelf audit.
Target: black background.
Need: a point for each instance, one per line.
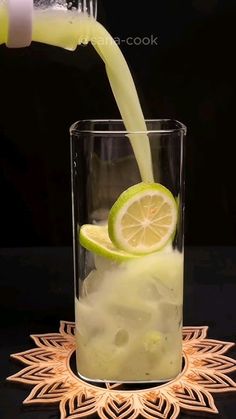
(189, 75)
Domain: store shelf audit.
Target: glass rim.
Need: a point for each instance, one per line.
(75, 127)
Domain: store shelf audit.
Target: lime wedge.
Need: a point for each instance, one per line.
(143, 219)
(96, 239)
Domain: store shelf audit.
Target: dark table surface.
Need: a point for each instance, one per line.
(37, 292)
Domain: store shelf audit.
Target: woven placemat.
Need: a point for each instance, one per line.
(48, 369)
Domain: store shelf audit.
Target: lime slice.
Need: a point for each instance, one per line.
(95, 238)
(143, 219)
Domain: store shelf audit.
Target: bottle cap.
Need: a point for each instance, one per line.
(20, 17)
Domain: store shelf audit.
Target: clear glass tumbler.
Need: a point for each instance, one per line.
(128, 313)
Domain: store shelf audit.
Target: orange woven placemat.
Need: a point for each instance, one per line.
(48, 370)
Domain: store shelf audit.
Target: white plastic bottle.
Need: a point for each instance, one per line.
(47, 21)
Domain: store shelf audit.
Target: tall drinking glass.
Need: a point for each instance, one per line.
(128, 312)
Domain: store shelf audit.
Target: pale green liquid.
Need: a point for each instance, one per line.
(129, 319)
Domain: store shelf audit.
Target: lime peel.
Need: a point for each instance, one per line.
(95, 238)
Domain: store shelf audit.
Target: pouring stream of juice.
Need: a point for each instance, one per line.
(67, 29)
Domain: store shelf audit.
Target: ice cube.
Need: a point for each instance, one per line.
(92, 283)
(124, 284)
(148, 290)
(89, 261)
(169, 290)
(104, 264)
(165, 268)
(91, 321)
(169, 317)
(130, 313)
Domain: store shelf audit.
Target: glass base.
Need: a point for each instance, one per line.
(98, 381)
(134, 382)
